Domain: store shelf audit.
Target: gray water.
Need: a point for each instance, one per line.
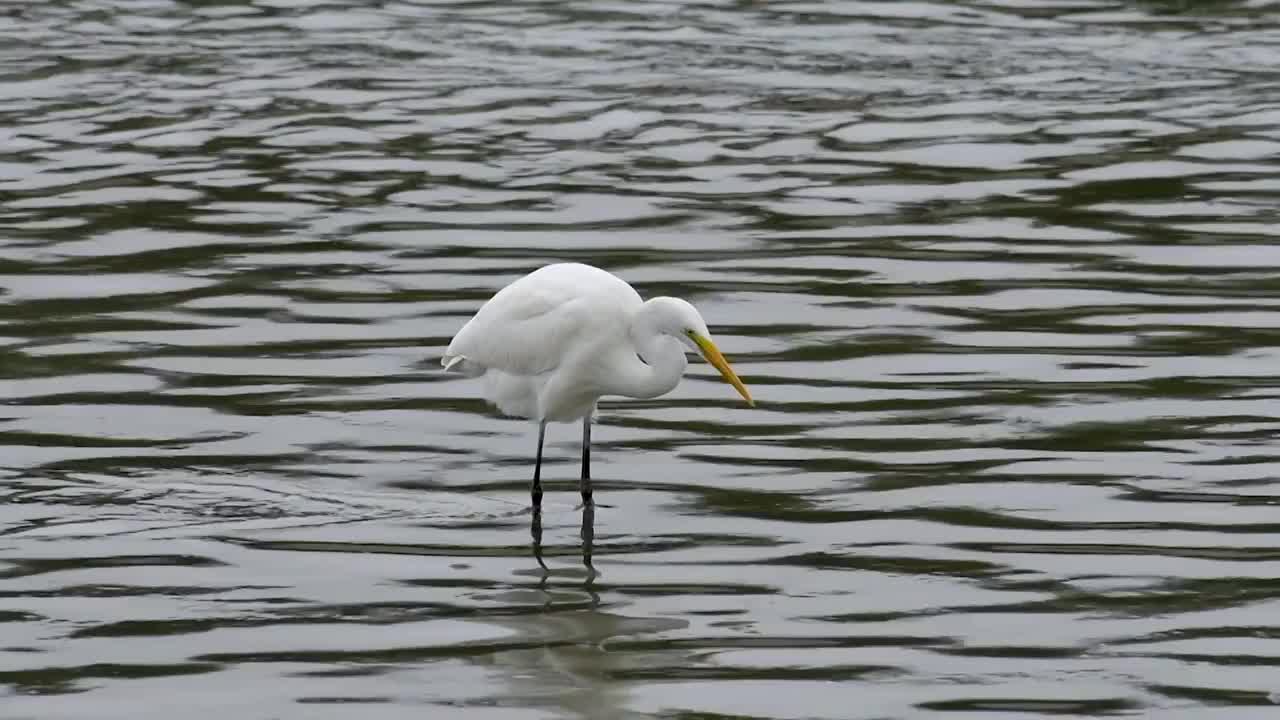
(1004, 278)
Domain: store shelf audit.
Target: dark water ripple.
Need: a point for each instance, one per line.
(1003, 277)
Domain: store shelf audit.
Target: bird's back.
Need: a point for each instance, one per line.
(529, 327)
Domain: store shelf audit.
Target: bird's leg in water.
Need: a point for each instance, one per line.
(588, 539)
(584, 485)
(535, 531)
(536, 492)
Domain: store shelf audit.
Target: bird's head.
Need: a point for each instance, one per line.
(679, 319)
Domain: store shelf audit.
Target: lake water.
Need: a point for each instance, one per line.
(1004, 278)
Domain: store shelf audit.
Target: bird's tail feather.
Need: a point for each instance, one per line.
(460, 364)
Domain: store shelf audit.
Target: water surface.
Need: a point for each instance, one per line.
(1001, 275)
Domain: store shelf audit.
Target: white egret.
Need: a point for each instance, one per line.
(550, 344)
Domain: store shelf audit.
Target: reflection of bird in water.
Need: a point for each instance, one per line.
(588, 535)
(567, 666)
(566, 660)
(550, 344)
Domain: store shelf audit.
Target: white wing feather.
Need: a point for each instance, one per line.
(529, 326)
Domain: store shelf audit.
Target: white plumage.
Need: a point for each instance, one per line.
(550, 344)
(553, 342)
(544, 324)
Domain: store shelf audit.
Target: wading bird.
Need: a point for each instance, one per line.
(550, 344)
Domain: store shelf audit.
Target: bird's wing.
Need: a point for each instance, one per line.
(521, 330)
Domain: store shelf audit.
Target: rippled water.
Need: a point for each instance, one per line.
(1004, 278)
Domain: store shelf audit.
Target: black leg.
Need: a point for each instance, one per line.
(585, 484)
(537, 470)
(535, 531)
(588, 538)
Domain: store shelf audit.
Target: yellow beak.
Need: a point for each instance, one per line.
(713, 356)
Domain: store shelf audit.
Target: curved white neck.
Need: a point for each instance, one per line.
(660, 364)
